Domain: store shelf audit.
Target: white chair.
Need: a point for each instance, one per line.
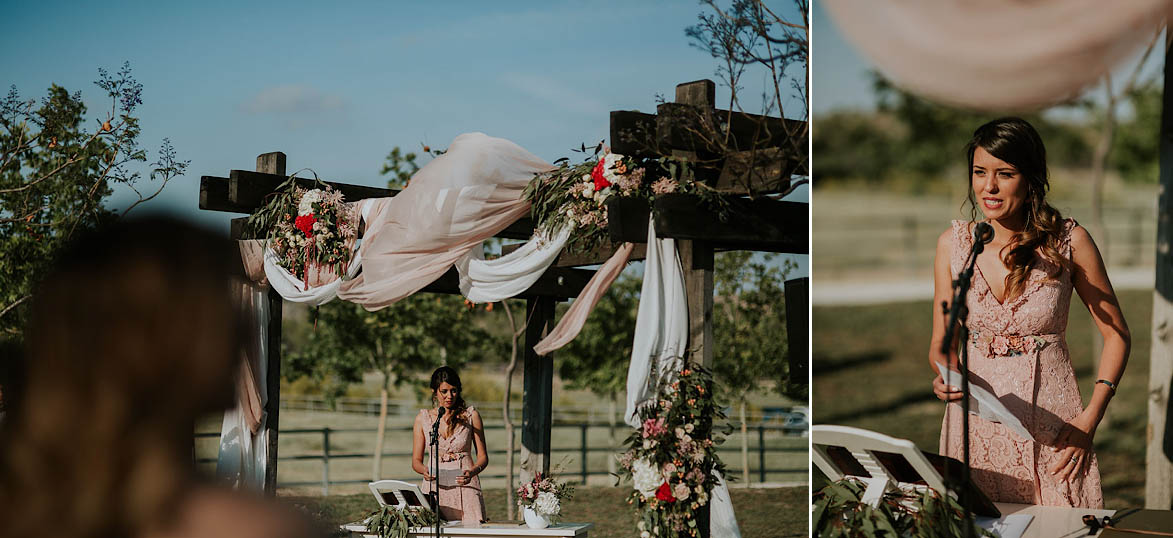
(883, 462)
(398, 494)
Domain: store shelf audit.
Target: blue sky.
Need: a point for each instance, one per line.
(335, 85)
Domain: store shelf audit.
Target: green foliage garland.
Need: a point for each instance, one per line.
(391, 522)
(840, 513)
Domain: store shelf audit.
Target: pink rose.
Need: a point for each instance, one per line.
(1000, 346)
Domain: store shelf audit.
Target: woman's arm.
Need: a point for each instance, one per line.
(1091, 282)
(478, 433)
(942, 293)
(417, 448)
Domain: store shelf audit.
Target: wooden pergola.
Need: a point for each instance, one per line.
(762, 162)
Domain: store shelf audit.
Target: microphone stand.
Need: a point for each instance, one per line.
(436, 457)
(957, 313)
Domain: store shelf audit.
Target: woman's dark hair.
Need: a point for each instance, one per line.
(132, 336)
(1016, 141)
(446, 374)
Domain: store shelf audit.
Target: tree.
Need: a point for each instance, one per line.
(56, 174)
(750, 36)
(749, 327)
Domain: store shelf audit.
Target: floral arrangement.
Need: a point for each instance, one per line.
(312, 231)
(577, 195)
(544, 495)
(1007, 346)
(672, 457)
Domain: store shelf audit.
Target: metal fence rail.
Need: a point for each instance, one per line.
(583, 450)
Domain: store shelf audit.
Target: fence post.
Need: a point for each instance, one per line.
(762, 452)
(326, 460)
(583, 429)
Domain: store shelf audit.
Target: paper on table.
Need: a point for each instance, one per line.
(984, 404)
(1011, 526)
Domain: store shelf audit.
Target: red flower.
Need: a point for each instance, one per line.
(305, 223)
(665, 493)
(597, 175)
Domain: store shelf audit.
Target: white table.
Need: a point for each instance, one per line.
(501, 530)
(1053, 521)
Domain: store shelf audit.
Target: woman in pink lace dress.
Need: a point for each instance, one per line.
(1018, 307)
(460, 429)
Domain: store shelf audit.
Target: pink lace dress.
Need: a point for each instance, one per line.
(464, 503)
(1018, 352)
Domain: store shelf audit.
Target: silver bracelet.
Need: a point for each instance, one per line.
(1110, 384)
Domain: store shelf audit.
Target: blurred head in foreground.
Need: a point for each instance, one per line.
(133, 335)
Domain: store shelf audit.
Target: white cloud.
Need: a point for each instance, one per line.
(293, 98)
(554, 92)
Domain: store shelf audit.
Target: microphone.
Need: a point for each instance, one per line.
(983, 233)
(439, 413)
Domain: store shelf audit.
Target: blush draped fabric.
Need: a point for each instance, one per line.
(1037, 385)
(452, 205)
(241, 459)
(1000, 54)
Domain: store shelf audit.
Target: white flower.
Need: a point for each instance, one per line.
(645, 477)
(306, 205)
(641, 525)
(688, 427)
(547, 504)
(644, 534)
(609, 162)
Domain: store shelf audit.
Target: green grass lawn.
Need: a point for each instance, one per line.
(870, 370)
(766, 513)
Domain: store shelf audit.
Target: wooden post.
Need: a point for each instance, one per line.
(1159, 436)
(272, 163)
(797, 328)
(696, 259)
(538, 392)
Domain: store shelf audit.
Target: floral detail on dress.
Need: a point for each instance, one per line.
(999, 345)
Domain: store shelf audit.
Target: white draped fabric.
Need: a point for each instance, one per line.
(489, 281)
(242, 456)
(661, 324)
(661, 337)
(1001, 54)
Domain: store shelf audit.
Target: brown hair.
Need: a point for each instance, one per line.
(447, 374)
(1016, 141)
(132, 337)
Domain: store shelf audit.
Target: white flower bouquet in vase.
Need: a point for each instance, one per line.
(541, 499)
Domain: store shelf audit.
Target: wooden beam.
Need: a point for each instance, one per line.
(214, 196)
(249, 189)
(762, 224)
(634, 133)
(557, 283)
(597, 256)
(538, 392)
(764, 171)
(798, 328)
(272, 163)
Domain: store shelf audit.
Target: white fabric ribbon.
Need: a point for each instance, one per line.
(293, 289)
(489, 281)
(661, 324)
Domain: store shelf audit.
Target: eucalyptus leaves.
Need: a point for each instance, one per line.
(391, 522)
(839, 513)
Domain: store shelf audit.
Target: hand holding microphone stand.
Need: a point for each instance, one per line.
(983, 233)
(436, 457)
